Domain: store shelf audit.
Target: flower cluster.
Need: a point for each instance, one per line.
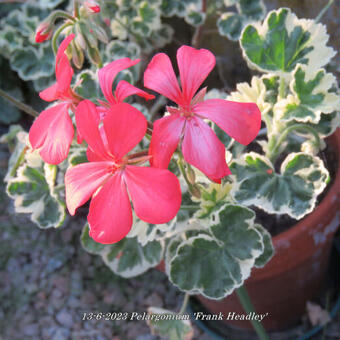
(114, 176)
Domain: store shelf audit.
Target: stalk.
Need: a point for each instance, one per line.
(249, 308)
(56, 35)
(23, 107)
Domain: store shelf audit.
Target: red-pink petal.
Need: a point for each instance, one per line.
(87, 119)
(82, 180)
(125, 89)
(52, 133)
(160, 77)
(202, 149)
(241, 121)
(155, 193)
(110, 216)
(108, 73)
(124, 127)
(165, 138)
(63, 69)
(50, 94)
(194, 66)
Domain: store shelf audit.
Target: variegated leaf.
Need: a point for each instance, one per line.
(293, 191)
(126, 258)
(215, 262)
(283, 41)
(33, 192)
(313, 93)
(165, 323)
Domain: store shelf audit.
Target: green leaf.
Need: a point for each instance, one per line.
(256, 92)
(251, 9)
(88, 87)
(128, 258)
(293, 191)
(194, 16)
(283, 41)
(312, 95)
(89, 244)
(147, 232)
(33, 192)
(15, 138)
(32, 63)
(168, 324)
(230, 25)
(214, 265)
(268, 252)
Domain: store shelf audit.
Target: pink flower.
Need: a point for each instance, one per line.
(200, 145)
(110, 177)
(52, 132)
(43, 32)
(107, 75)
(92, 6)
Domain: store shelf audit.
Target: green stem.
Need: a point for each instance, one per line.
(19, 105)
(282, 88)
(63, 14)
(56, 35)
(273, 150)
(190, 207)
(324, 10)
(181, 168)
(249, 308)
(76, 8)
(184, 304)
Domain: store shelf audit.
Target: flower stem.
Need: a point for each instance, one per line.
(23, 107)
(76, 8)
(184, 304)
(196, 39)
(274, 150)
(282, 88)
(249, 308)
(56, 35)
(324, 10)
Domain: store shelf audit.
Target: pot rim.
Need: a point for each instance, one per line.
(323, 208)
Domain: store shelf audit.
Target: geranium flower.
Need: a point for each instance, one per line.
(52, 131)
(107, 75)
(200, 145)
(111, 176)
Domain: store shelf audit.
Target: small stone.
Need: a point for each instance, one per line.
(61, 334)
(154, 300)
(64, 318)
(31, 330)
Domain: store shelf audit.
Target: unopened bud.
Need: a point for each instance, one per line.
(100, 33)
(191, 175)
(44, 32)
(88, 35)
(94, 55)
(80, 40)
(92, 6)
(77, 55)
(195, 191)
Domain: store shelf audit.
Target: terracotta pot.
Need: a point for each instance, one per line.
(297, 271)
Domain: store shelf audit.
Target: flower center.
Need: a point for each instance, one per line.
(186, 111)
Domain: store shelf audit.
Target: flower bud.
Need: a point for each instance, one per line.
(100, 33)
(92, 6)
(191, 175)
(77, 55)
(44, 32)
(195, 191)
(94, 55)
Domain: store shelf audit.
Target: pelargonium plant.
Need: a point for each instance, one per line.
(180, 191)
